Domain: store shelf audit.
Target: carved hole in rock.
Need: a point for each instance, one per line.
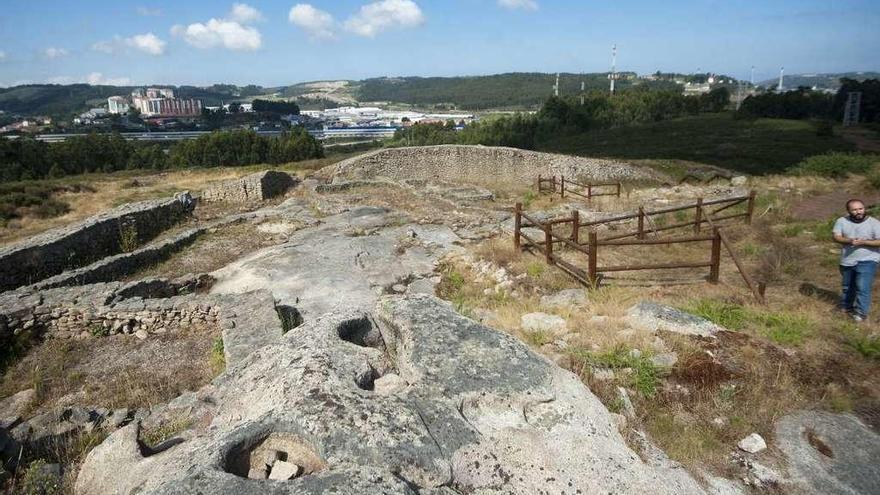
(278, 456)
(818, 444)
(289, 316)
(361, 332)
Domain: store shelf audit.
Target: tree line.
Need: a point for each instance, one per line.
(804, 103)
(26, 158)
(567, 115)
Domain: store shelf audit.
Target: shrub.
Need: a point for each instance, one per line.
(38, 481)
(218, 356)
(835, 164)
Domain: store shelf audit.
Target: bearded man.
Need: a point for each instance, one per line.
(859, 235)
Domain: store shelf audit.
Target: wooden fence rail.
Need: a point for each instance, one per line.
(591, 248)
(587, 191)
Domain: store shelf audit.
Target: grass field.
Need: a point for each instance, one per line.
(759, 146)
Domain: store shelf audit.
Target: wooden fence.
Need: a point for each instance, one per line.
(701, 215)
(586, 191)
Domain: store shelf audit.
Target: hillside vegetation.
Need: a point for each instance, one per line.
(759, 146)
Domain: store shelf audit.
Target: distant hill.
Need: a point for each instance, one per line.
(819, 81)
(511, 91)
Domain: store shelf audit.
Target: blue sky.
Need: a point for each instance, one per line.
(273, 42)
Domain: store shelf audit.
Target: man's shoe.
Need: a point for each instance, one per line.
(858, 318)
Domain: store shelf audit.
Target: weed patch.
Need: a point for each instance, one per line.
(218, 357)
(643, 375)
(781, 327)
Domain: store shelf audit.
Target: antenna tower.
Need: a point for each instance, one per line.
(781, 75)
(556, 86)
(613, 74)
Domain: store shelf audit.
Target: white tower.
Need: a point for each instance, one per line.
(556, 86)
(781, 75)
(752, 77)
(613, 74)
(582, 92)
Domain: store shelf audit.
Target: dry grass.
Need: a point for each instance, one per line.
(114, 372)
(112, 190)
(211, 251)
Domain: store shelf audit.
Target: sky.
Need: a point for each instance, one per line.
(275, 42)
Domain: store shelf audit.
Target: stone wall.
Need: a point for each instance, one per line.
(118, 230)
(482, 164)
(143, 308)
(254, 187)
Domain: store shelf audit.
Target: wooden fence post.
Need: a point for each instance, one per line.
(618, 189)
(539, 183)
(517, 222)
(698, 216)
(562, 188)
(751, 207)
(575, 225)
(714, 270)
(553, 184)
(592, 253)
(548, 242)
(589, 191)
(641, 234)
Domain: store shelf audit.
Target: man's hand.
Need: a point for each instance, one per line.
(857, 242)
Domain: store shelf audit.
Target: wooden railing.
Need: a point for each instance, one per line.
(587, 191)
(593, 272)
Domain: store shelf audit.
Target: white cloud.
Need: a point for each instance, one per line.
(220, 32)
(2, 55)
(149, 43)
(148, 12)
(519, 4)
(378, 16)
(96, 78)
(245, 14)
(108, 47)
(317, 23)
(53, 52)
(61, 80)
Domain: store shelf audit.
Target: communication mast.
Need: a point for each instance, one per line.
(556, 86)
(613, 74)
(851, 110)
(781, 74)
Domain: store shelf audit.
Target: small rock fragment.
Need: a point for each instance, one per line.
(752, 444)
(283, 470)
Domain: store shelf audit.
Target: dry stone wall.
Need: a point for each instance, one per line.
(143, 308)
(121, 229)
(254, 187)
(481, 164)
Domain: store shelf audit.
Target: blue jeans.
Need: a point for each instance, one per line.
(857, 281)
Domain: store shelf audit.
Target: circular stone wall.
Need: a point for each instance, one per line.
(482, 164)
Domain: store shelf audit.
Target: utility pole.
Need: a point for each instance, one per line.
(613, 74)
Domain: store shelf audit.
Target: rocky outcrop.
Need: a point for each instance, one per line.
(830, 453)
(121, 229)
(251, 188)
(475, 412)
(481, 165)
